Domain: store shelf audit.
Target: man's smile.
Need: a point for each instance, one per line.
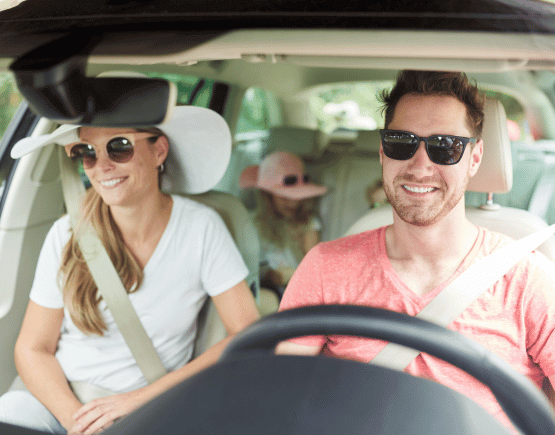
(417, 189)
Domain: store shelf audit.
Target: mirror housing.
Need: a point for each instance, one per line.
(52, 79)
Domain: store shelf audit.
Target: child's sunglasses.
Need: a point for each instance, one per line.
(293, 180)
(442, 149)
(119, 150)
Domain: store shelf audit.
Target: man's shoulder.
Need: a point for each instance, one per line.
(534, 260)
(494, 240)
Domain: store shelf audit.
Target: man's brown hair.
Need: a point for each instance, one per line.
(455, 84)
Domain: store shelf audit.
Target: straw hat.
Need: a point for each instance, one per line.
(200, 148)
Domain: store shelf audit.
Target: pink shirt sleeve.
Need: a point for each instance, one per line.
(539, 313)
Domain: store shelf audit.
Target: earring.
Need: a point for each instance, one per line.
(161, 168)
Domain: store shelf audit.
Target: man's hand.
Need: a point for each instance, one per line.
(99, 414)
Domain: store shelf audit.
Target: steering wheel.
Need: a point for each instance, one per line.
(251, 390)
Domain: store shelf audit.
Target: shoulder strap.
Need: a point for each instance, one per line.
(464, 290)
(107, 278)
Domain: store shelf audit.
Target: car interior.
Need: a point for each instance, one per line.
(311, 91)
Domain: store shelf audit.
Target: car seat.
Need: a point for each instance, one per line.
(238, 221)
(356, 167)
(493, 176)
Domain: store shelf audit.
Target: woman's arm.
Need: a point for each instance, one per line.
(38, 367)
(237, 310)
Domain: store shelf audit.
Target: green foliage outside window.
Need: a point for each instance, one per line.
(186, 86)
(259, 111)
(352, 106)
(9, 100)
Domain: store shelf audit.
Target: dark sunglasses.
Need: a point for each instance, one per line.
(442, 149)
(292, 180)
(119, 150)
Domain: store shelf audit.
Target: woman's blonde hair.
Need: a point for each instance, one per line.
(80, 293)
(281, 232)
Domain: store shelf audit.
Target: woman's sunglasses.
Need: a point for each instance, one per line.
(442, 149)
(293, 180)
(119, 150)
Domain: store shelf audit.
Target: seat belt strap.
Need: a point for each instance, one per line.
(464, 290)
(107, 278)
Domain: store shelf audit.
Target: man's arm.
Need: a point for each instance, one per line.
(288, 348)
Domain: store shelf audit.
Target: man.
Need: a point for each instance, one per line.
(430, 149)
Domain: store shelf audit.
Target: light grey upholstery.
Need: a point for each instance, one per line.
(496, 170)
(238, 221)
(305, 142)
(368, 141)
(240, 225)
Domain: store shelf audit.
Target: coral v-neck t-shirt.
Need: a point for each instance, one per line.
(515, 318)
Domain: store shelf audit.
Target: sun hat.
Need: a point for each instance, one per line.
(283, 174)
(200, 148)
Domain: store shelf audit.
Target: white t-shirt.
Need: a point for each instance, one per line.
(195, 257)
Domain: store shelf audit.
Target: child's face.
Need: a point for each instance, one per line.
(286, 206)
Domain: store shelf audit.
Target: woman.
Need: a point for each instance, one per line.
(171, 253)
(285, 215)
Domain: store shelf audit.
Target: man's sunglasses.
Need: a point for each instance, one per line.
(442, 149)
(119, 150)
(293, 180)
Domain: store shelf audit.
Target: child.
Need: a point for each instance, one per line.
(375, 194)
(285, 215)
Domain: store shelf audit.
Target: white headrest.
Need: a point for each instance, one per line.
(495, 174)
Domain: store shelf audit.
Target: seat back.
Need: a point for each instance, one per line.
(356, 167)
(493, 176)
(240, 225)
(210, 328)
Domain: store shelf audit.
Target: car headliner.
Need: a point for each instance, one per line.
(35, 22)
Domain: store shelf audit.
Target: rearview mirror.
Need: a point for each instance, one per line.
(52, 79)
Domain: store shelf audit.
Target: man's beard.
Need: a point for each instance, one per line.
(414, 212)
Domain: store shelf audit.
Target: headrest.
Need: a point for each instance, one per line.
(304, 142)
(495, 174)
(368, 141)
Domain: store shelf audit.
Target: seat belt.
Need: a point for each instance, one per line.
(464, 290)
(107, 278)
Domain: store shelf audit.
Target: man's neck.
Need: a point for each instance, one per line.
(424, 257)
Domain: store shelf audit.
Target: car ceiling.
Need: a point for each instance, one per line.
(35, 22)
(303, 41)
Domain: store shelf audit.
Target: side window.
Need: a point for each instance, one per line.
(10, 99)
(197, 91)
(529, 161)
(260, 110)
(348, 106)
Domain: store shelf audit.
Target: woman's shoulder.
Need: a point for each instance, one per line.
(196, 214)
(60, 229)
(184, 205)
